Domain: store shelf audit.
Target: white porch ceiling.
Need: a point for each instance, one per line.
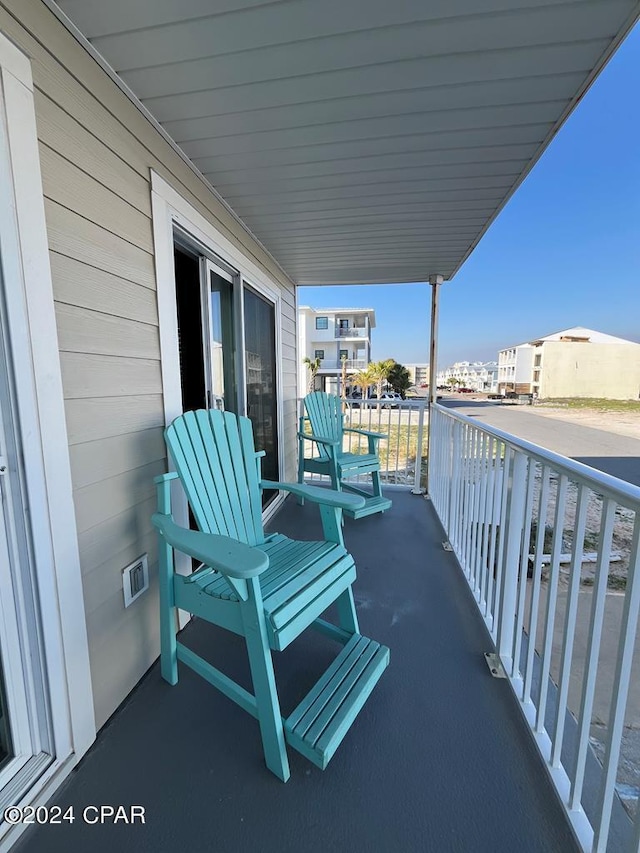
(360, 140)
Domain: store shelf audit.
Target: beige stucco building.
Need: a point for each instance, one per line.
(575, 362)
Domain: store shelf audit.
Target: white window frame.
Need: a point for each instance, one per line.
(43, 433)
(170, 211)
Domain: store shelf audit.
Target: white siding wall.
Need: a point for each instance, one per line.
(96, 150)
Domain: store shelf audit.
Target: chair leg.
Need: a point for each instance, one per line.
(347, 617)
(168, 616)
(333, 473)
(264, 684)
(377, 486)
(300, 467)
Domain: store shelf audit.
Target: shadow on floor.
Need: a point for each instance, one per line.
(438, 760)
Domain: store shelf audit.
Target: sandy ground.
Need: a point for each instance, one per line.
(621, 423)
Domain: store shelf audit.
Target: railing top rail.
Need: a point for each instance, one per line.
(612, 487)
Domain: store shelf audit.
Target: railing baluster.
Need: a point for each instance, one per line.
(468, 483)
(524, 563)
(498, 478)
(552, 597)
(624, 661)
(455, 474)
(476, 531)
(575, 571)
(506, 472)
(593, 649)
(508, 590)
(543, 503)
(489, 489)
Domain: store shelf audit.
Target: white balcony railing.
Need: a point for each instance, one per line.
(353, 332)
(403, 455)
(548, 547)
(351, 363)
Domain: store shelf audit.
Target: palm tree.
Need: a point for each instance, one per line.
(362, 380)
(314, 366)
(380, 370)
(343, 377)
(399, 379)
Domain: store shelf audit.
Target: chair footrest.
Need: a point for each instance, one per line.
(376, 503)
(320, 722)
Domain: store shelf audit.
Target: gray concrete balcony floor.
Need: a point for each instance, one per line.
(438, 760)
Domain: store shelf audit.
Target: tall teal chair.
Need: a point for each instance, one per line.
(324, 414)
(267, 589)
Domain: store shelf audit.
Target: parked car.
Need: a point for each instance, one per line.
(390, 399)
(466, 390)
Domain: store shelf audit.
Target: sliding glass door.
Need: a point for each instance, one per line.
(227, 346)
(25, 735)
(261, 385)
(218, 338)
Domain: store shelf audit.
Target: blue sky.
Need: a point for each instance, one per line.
(564, 252)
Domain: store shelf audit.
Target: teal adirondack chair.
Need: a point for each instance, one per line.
(324, 413)
(265, 588)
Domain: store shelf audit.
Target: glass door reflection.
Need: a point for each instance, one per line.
(260, 362)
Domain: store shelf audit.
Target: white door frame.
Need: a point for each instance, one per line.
(29, 305)
(171, 210)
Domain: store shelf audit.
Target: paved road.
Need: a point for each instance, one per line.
(618, 455)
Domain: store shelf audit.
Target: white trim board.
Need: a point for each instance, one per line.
(43, 433)
(169, 211)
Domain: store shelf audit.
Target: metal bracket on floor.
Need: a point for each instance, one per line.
(495, 665)
(447, 546)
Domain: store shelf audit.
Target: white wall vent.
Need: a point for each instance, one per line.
(135, 579)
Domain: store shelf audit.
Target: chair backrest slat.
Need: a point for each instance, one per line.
(325, 415)
(214, 455)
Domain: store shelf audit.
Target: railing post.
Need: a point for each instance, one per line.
(435, 281)
(511, 558)
(417, 490)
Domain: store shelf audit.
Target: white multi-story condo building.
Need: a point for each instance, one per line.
(479, 375)
(575, 362)
(334, 334)
(418, 373)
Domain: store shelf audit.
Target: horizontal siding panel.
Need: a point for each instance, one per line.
(288, 326)
(95, 418)
(86, 375)
(125, 528)
(61, 132)
(77, 283)
(66, 184)
(106, 581)
(83, 331)
(97, 150)
(122, 646)
(99, 501)
(72, 235)
(94, 461)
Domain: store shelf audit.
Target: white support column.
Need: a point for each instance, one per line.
(435, 281)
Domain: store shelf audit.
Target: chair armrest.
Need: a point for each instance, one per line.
(321, 439)
(165, 478)
(366, 432)
(226, 555)
(328, 497)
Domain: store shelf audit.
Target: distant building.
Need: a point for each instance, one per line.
(418, 373)
(479, 375)
(575, 362)
(329, 334)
